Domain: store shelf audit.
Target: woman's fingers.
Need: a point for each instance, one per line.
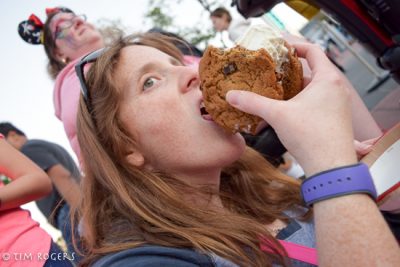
(362, 149)
(314, 55)
(252, 103)
(371, 141)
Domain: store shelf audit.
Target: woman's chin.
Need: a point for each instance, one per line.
(239, 139)
(239, 146)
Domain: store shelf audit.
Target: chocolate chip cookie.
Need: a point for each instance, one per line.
(236, 69)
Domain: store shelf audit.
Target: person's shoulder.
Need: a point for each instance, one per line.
(66, 91)
(67, 70)
(34, 146)
(155, 256)
(66, 75)
(37, 143)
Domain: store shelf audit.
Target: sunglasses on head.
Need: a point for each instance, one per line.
(79, 69)
(90, 58)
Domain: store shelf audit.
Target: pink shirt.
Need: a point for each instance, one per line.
(66, 99)
(22, 239)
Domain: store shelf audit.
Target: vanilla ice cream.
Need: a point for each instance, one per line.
(263, 36)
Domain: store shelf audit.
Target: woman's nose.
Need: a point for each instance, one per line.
(77, 22)
(188, 78)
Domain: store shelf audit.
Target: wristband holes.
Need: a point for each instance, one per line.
(329, 182)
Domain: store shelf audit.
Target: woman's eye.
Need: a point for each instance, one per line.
(148, 83)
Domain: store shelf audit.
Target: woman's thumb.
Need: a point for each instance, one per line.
(252, 103)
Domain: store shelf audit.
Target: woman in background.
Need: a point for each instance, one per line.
(66, 37)
(22, 239)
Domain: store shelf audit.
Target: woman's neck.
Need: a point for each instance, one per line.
(205, 190)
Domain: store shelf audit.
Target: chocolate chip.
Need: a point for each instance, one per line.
(229, 68)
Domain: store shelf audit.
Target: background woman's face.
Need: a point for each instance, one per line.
(220, 24)
(161, 108)
(78, 39)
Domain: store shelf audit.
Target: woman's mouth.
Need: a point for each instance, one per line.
(81, 31)
(204, 113)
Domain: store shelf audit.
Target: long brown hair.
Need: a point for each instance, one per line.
(124, 207)
(54, 66)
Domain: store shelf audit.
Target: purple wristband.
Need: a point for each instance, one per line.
(338, 182)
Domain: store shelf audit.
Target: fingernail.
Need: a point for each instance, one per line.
(232, 97)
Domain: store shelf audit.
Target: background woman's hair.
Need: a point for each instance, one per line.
(54, 66)
(124, 207)
(220, 12)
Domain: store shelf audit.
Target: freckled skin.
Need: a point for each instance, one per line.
(165, 118)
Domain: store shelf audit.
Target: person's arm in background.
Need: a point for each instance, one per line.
(364, 125)
(29, 182)
(316, 128)
(65, 184)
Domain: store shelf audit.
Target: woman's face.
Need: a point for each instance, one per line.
(74, 37)
(161, 109)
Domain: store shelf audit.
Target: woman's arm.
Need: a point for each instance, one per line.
(66, 184)
(29, 182)
(316, 128)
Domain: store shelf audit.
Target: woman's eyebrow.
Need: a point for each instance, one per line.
(175, 61)
(137, 74)
(150, 66)
(145, 68)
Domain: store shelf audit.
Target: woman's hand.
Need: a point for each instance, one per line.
(315, 126)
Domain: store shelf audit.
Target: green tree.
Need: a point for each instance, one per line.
(110, 29)
(158, 13)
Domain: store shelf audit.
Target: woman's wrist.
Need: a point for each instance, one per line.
(333, 151)
(324, 164)
(345, 180)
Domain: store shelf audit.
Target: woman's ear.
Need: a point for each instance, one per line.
(135, 158)
(60, 56)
